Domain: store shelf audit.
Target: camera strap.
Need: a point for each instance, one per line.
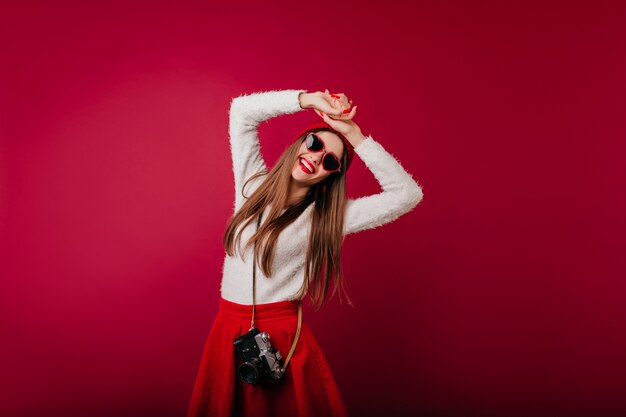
(295, 338)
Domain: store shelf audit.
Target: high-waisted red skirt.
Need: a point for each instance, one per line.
(307, 389)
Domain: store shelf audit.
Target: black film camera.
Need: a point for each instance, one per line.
(261, 362)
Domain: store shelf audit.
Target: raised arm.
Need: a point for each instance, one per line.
(245, 114)
(401, 193)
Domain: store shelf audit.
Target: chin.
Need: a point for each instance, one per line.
(295, 177)
(300, 177)
(300, 181)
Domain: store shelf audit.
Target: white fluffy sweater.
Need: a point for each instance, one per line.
(401, 193)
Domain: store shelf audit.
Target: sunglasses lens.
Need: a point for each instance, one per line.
(313, 143)
(331, 163)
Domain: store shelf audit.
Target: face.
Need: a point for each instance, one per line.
(313, 160)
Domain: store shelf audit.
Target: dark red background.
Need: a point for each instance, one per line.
(502, 294)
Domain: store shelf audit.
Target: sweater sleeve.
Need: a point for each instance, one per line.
(401, 193)
(245, 114)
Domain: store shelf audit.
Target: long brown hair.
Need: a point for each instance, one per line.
(323, 256)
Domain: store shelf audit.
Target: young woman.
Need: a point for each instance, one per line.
(292, 220)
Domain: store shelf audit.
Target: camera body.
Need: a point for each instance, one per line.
(261, 362)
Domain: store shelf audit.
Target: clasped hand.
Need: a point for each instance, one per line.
(334, 109)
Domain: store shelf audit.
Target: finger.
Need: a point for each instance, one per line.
(343, 99)
(347, 108)
(337, 96)
(337, 111)
(332, 116)
(350, 115)
(327, 118)
(328, 97)
(343, 104)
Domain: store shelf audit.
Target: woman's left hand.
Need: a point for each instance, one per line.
(342, 124)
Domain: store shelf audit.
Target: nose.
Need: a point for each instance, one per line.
(316, 157)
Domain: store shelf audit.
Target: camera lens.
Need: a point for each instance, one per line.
(250, 372)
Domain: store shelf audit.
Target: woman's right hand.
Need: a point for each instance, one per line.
(325, 103)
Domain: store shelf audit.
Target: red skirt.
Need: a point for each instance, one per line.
(307, 388)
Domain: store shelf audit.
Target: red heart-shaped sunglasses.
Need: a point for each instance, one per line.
(330, 162)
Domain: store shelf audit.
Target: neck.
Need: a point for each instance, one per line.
(297, 193)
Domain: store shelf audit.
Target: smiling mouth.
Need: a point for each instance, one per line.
(305, 167)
